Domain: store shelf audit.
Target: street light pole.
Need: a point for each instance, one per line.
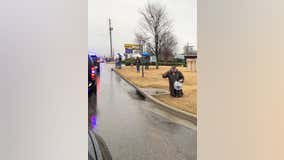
(110, 37)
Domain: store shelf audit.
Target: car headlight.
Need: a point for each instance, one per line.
(90, 84)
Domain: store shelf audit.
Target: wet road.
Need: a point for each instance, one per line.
(133, 128)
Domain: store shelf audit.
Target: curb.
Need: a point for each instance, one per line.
(177, 112)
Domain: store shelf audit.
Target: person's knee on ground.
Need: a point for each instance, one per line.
(179, 93)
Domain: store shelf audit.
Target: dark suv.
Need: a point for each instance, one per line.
(92, 75)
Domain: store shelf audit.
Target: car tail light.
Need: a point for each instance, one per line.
(93, 72)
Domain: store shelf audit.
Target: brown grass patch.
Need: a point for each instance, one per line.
(153, 79)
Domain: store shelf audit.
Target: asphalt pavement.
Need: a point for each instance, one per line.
(134, 128)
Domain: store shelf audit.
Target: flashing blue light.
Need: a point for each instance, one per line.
(94, 121)
(92, 53)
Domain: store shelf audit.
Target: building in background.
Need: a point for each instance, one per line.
(190, 56)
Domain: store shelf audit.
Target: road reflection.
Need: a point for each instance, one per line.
(134, 128)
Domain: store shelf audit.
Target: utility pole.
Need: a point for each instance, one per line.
(110, 38)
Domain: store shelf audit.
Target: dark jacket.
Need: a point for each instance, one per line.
(138, 62)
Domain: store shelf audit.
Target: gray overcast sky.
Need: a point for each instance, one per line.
(125, 18)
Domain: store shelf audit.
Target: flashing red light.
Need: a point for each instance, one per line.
(93, 76)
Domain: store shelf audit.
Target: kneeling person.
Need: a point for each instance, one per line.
(176, 79)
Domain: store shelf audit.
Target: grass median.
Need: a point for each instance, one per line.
(153, 79)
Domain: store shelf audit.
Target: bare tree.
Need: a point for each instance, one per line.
(140, 37)
(157, 27)
(167, 46)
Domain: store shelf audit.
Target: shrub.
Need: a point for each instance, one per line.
(170, 64)
(173, 62)
(128, 61)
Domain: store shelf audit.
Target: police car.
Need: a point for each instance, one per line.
(93, 66)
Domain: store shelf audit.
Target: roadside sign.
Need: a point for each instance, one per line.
(128, 50)
(132, 46)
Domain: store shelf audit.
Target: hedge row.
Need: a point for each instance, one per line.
(177, 62)
(128, 61)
